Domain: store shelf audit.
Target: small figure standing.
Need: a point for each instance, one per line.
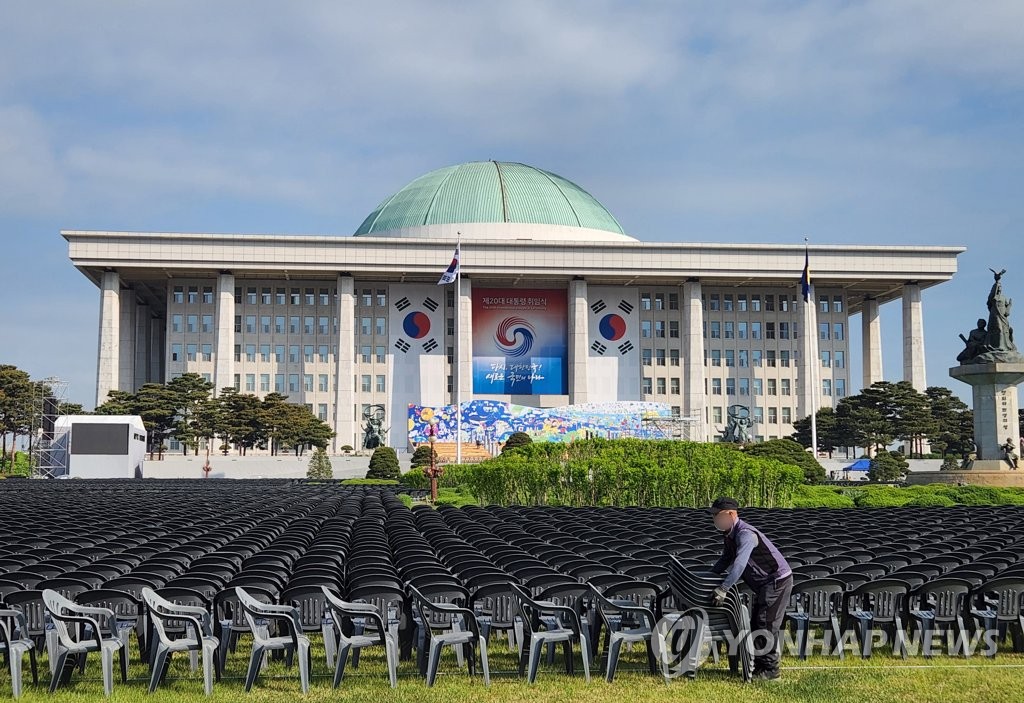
(1010, 453)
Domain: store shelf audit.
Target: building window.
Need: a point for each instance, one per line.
(365, 326)
(645, 301)
(823, 303)
(307, 382)
(646, 386)
(250, 382)
(716, 329)
(838, 331)
(250, 324)
(785, 386)
(322, 386)
(645, 356)
(250, 352)
(365, 383)
(179, 294)
(279, 353)
(207, 295)
(822, 330)
(322, 352)
(673, 301)
(193, 294)
(837, 303)
(279, 383)
(176, 323)
(176, 352)
(673, 329)
(279, 324)
(755, 330)
(755, 302)
(773, 416)
(826, 361)
(727, 302)
(758, 386)
(250, 296)
(661, 386)
(826, 386)
(743, 356)
(207, 350)
(264, 382)
(674, 386)
(191, 323)
(190, 351)
(673, 357)
(293, 353)
(381, 385)
(714, 302)
(659, 355)
(307, 353)
(840, 362)
(645, 328)
(379, 354)
(730, 386)
(382, 326)
(840, 384)
(716, 386)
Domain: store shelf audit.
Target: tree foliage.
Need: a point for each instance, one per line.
(383, 464)
(320, 465)
(790, 452)
(625, 472)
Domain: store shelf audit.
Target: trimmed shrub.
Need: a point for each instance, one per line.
(515, 441)
(930, 500)
(319, 466)
(369, 482)
(821, 497)
(421, 456)
(414, 478)
(790, 452)
(384, 464)
(888, 467)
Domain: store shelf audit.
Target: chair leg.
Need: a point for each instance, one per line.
(536, 649)
(614, 647)
(339, 666)
(122, 655)
(304, 661)
(32, 662)
(157, 669)
(107, 662)
(255, 662)
(391, 656)
(14, 661)
(433, 662)
(330, 643)
(225, 639)
(585, 652)
(57, 665)
(483, 661)
(209, 666)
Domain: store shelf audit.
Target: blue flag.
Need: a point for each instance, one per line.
(805, 277)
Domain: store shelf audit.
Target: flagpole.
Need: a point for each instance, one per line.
(458, 355)
(812, 347)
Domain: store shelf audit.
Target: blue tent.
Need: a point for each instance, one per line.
(859, 465)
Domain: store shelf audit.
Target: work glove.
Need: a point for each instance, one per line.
(718, 597)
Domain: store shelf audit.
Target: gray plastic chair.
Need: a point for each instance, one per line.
(104, 639)
(630, 623)
(340, 611)
(444, 625)
(293, 644)
(15, 644)
(200, 639)
(563, 627)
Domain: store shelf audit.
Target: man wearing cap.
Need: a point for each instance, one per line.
(751, 556)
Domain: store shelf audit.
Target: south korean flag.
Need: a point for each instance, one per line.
(416, 320)
(612, 320)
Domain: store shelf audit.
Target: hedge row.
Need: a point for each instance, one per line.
(929, 496)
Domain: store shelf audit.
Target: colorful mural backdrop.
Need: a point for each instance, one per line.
(493, 421)
(520, 341)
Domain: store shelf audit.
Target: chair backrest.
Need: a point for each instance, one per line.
(30, 603)
(820, 598)
(949, 597)
(885, 598)
(125, 605)
(310, 602)
(496, 601)
(226, 604)
(1009, 591)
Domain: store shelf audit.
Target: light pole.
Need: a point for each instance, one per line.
(435, 470)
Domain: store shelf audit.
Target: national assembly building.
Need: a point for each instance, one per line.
(560, 323)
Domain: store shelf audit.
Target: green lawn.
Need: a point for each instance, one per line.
(881, 678)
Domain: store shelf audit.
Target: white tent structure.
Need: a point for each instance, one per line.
(99, 446)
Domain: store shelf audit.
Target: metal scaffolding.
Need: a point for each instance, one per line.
(49, 395)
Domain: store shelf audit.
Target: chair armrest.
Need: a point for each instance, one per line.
(19, 619)
(180, 617)
(84, 620)
(190, 609)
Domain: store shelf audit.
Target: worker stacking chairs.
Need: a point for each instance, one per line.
(197, 636)
(700, 624)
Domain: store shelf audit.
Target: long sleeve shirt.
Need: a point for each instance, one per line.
(734, 572)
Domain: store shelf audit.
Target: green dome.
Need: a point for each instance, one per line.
(489, 191)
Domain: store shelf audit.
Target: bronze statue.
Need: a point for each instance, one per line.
(1010, 453)
(992, 341)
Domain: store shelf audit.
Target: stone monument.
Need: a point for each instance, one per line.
(991, 364)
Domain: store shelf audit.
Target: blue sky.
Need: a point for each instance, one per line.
(899, 121)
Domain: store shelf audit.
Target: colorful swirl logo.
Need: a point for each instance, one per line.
(416, 324)
(514, 336)
(612, 327)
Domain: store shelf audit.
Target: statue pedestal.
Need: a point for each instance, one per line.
(995, 409)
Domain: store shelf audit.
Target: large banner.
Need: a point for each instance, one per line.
(416, 355)
(613, 366)
(520, 341)
(491, 421)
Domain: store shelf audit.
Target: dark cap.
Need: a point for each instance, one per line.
(721, 504)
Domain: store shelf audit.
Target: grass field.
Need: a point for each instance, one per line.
(881, 678)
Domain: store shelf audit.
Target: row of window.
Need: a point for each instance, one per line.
(729, 302)
(757, 414)
(740, 386)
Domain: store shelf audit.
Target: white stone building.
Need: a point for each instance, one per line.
(343, 322)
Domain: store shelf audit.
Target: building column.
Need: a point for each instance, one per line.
(807, 377)
(157, 353)
(143, 343)
(694, 390)
(344, 358)
(127, 340)
(108, 353)
(224, 359)
(579, 338)
(464, 330)
(871, 341)
(913, 338)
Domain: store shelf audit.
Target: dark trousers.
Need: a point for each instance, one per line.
(767, 612)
